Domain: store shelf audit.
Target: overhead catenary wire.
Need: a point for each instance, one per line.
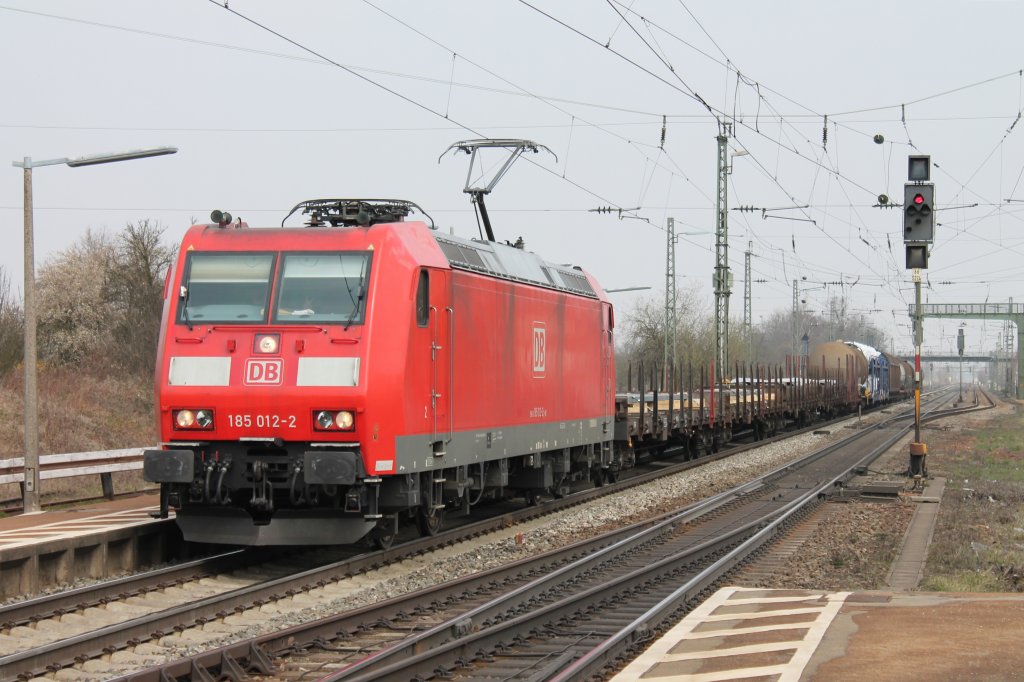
(395, 93)
(655, 162)
(683, 90)
(281, 55)
(833, 115)
(686, 91)
(573, 117)
(696, 117)
(744, 98)
(674, 118)
(833, 168)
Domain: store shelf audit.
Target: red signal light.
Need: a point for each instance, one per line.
(918, 199)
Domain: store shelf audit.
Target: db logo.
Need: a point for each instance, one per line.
(263, 372)
(540, 349)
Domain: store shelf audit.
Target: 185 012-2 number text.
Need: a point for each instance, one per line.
(261, 421)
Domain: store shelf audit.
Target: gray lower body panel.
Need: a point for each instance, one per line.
(414, 453)
(233, 526)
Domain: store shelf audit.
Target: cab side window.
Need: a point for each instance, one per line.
(423, 300)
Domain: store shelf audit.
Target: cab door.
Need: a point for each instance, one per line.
(607, 357)
(441, 324)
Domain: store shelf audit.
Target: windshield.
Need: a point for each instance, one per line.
(225, 287)
(322, 287)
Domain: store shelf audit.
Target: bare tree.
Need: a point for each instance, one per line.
(644, 333)
(838, 322)
(134, 291)
(100, 300)
(12, 327)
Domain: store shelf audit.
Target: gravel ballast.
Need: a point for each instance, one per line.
(538, 536)
(840, 544)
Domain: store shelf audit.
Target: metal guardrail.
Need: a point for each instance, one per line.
(73, 464)
(101, 462)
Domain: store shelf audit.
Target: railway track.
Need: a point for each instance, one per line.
(262, 590)
(582, 620)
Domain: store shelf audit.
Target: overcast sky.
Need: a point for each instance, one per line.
(264, 119)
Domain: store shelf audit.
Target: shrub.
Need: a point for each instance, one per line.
(100, 300)
(73, 315)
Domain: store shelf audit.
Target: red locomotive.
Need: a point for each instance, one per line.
(317, 384)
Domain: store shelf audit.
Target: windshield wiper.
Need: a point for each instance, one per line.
(184, 302)
(359, 295)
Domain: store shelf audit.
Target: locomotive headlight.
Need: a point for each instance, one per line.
(185, 419)
(193, 419)
(324, 420)
(267, 343)
(333, 420)
(344, 420)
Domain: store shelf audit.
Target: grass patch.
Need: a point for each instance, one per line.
(1001, 470)
(79, 411)
(1006, 441)
(978, 544)
(963, 581)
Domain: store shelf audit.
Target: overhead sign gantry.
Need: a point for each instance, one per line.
(1013, 312)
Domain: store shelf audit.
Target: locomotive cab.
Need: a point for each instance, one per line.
(264, 380)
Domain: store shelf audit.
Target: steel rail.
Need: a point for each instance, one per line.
(87, 645)
(113, 637)
(398, 661)
(605, 656)
(81, 598)
(640, 629)
(328, 628)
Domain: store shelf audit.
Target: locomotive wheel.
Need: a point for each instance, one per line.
(557, 489)
(429, 521)
(383, 534)
(610, 476)
(532, 498)
(597, 477)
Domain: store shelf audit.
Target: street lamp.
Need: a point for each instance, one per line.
(30, 487)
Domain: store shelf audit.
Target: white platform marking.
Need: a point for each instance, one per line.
(803, 647)
(76, 527)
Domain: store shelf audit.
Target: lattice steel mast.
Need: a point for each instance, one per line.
(748, 312)
(722, 276)
(670, 298)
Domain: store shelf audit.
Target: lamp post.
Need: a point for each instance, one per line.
(30, 487)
